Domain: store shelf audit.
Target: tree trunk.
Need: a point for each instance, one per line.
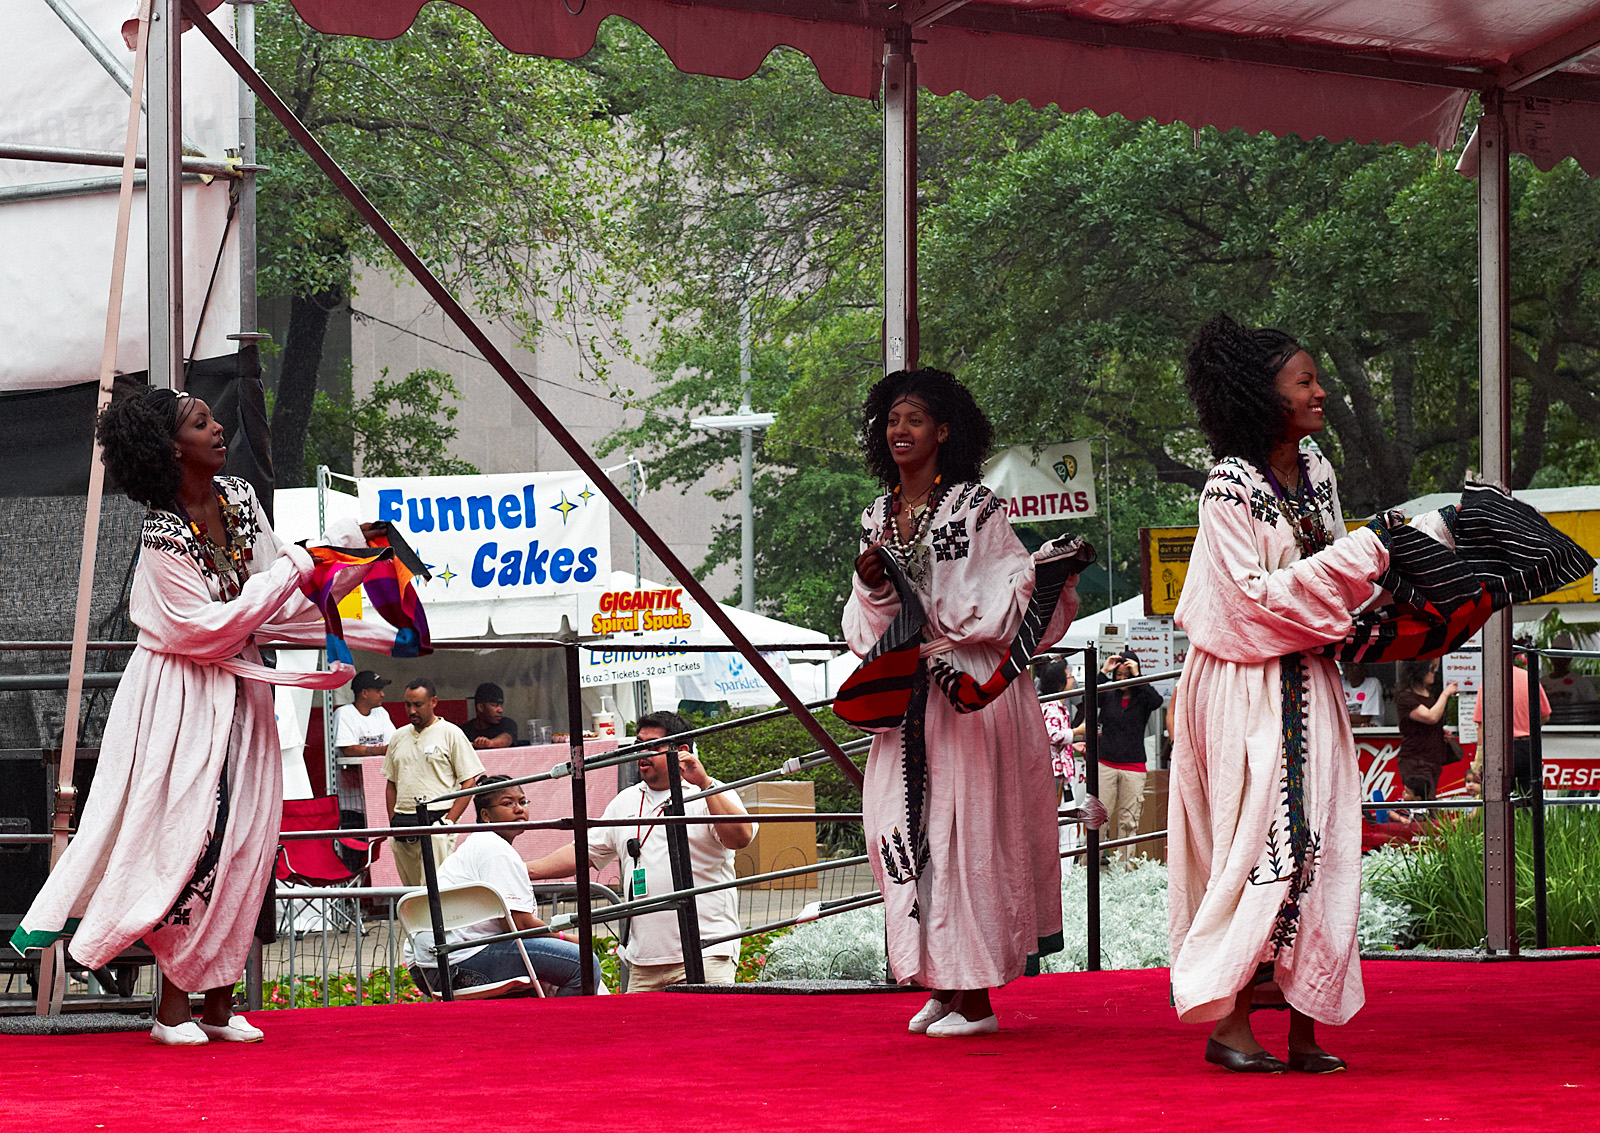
(297, 383)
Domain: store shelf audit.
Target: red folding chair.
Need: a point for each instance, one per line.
(318, 862)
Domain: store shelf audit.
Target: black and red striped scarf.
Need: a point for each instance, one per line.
(1505, 552)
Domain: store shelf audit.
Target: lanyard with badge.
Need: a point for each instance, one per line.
(636, 848)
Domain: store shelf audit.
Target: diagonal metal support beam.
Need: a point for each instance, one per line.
(1551, 55)
(932, 11)
(103, 56)
(463, 321)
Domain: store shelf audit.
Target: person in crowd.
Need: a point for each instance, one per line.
(653, 950)
(489, 857)
(1424, 749)
(362, 728)
(1123, 716)
(176, 842)
(1572, 695)
(1264, 820)
(1521, 743)
(958, 803)
(1066, 750)
(1363, 696)
(489, 726)
(426, 758)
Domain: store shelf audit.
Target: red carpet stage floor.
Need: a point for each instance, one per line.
(1505, 1046)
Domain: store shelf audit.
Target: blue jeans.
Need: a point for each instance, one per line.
(554, 961)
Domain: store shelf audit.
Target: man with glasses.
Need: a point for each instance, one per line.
(488, 857)
(654, 950)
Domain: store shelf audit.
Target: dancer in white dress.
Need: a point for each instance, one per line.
(176, 842)
(1264, 822)
(959, 807)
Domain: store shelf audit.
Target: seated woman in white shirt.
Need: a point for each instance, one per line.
(488, 857)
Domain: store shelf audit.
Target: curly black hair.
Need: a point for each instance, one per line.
(963, 452)
(1232, 379)
(1053, 677)
(136, 432)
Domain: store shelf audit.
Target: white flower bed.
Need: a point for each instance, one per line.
(1133, 927)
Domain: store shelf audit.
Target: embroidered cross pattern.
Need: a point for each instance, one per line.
(950, 541)
(1263, 506)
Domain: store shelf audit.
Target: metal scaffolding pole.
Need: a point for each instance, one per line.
(1494, 418)
(244, 31)
(165, 197)
(900, 343)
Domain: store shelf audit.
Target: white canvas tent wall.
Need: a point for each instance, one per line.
(55, 250)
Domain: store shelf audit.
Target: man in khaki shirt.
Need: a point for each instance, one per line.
(428, 757)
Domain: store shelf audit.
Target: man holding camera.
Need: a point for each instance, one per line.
(1123, 715)
(654, 951)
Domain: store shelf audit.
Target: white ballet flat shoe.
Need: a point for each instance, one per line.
(184, 1034)
(932, 1011)
(957, 1025)
(235, 1030)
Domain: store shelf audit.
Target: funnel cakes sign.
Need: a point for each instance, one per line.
(514, 535)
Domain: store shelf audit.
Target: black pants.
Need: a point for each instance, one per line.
(1522, 764)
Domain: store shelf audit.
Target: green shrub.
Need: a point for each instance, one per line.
(763, 746)
(1441, 878)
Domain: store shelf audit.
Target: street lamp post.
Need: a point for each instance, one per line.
(745, 423)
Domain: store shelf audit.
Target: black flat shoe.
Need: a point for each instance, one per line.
(1261, 1062)
(1321, 1062)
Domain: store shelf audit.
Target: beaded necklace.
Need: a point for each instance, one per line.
(1301, 511)
(230, 570)
(911, 552)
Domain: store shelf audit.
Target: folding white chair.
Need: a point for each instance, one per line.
(462, 905)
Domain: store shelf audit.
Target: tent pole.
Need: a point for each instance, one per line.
(1494, 424)
(244, 31)
(502, 366)
(165, 197)
(900, 345)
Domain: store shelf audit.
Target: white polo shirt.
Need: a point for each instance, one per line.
(653, 938)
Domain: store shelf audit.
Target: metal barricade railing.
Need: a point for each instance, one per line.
(684, 893)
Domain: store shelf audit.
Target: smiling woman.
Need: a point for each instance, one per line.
(959, 800)
(1264, 823)
(176, 841)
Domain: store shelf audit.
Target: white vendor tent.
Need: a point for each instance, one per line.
(727, 677)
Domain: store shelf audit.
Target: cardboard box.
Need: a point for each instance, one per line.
(1154, 816)
(780, 845)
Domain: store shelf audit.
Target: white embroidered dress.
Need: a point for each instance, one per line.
(991, 886)
(147, 862)
(1264, 821)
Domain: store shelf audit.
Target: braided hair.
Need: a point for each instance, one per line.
(1231, 377)
(136, 433)
(962, 453)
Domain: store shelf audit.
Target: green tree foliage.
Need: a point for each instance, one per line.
(497, 168)
(769, 190)
(1066, 260)
(402, 428)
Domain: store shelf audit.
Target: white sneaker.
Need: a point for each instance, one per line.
(235, 1030)
(932, 1011)
(184, 1034)
(957, 1025)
